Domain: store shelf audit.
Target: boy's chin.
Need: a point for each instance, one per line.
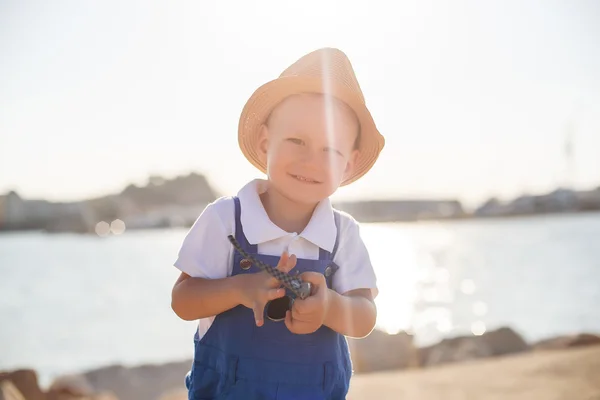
(309, 195)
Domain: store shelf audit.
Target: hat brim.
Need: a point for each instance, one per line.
(269, 95)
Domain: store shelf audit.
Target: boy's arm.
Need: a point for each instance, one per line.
(204, 259)
(351, 314)
(196, 298)
(351, 309)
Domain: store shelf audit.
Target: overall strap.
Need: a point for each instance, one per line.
(336, 218)
(324, 254)
(239, 231)
(332, 267)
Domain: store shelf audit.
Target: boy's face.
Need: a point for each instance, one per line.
(309, 146)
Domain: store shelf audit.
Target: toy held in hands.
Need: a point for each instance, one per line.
(295, 284)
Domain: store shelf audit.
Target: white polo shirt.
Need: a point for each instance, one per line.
(207, 253)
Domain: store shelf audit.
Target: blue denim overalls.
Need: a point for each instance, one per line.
(235, 359)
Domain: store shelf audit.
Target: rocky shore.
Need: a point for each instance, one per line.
(497, 364)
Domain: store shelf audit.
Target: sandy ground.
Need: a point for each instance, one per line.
(550, 375)
(572, 374)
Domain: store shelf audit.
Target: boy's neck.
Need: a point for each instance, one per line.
(289, 215)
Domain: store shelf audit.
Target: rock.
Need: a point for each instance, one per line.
(74, 385)
(53, 395)
(180, 394)
(8, 391)
(26, 382)
(146, 382)
(382, 351)
(505, 341)
(563, 342)
(457, 350)
(494, 343)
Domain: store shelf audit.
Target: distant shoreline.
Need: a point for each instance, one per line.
(178, 202)
(470, 218)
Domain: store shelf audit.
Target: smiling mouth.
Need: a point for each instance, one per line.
(303, 179)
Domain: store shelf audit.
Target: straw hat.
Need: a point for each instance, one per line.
(326, 71)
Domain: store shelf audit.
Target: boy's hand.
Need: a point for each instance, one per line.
(259, 288)
(308, 315)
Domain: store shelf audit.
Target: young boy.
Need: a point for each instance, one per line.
(310, 132)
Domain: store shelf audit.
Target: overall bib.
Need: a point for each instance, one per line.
(235, 359)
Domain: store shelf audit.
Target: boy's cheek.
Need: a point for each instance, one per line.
(336, 176)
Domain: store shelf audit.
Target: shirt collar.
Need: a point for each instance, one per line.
(258, 228)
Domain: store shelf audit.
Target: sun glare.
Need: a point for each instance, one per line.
(394, 258)
(328, 100)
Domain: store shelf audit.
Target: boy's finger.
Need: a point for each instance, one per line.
(282, 260)
(259, 310)
(296, 316)
(295, 326)
(301, 315)
(289, 265)
(272, 282)
(289, 323)
(275, 293)
(298, 307)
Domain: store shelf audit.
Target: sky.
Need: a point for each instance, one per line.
(475, 98)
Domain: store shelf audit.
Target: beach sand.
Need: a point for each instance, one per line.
(572, 374)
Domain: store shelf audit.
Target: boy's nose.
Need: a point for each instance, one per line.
(307, 155)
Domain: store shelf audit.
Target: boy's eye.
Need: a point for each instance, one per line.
(296, 140)
(331, 149)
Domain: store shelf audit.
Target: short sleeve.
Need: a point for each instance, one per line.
(355, 268)
(206, 251)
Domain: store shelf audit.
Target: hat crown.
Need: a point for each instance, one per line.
(329, 65)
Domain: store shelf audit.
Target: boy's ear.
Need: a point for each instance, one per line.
(351, 163)
(263, 143)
